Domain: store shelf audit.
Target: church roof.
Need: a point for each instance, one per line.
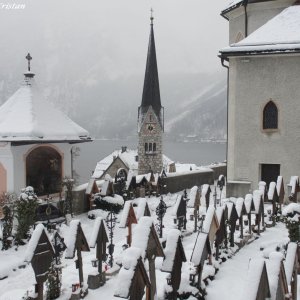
(151, 94)
(26, 117)
(279, 35)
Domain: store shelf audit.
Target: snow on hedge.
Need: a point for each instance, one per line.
(71, 238)
(289, 261)
(116, 199)
(125, 213)
(129, 262)
(292, 208)
(170, 250)
(253, 278)
(192, 196)
(141, 234)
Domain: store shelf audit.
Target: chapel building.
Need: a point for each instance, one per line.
(263, 61)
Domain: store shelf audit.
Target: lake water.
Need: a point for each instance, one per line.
(197, 153)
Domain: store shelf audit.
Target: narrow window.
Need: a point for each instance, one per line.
(150, 147)
(154, 147)
(150, 118)
(146, 147)
(270, 116)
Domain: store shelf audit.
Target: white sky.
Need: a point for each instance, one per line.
(188, 33)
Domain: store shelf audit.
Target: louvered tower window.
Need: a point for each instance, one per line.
(270, 116)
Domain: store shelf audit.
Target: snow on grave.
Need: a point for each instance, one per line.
(232, 218)
(40, 253)
(249, 205)
(262, 187)
(132, 278)
(194, 198)
(142, 209)
(291, 209)
(257, 284)
(174, 257)
(276, 276)
(76, 241)
(241, 211)
(210, 224)
(127, 219)
(145, 238)
(221, 234)
(293, 188)
(179, 212)
(99, 237)
(205, 194)
(201, 252)
(259, 209)
(291, 268)
(280, 189)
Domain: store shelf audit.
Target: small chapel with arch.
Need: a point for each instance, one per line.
(36, 141)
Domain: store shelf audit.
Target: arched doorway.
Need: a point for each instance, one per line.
(44, 170)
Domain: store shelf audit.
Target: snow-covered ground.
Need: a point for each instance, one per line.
(228, 282)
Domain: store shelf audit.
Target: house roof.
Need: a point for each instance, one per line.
(278, 35)
(27, 117)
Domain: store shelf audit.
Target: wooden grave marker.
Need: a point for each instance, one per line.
(99, 239)
(201, 252)
(232, 217)
(249, 205)
(293, 188)
(273, 196)
(174, 257)
(210, 224)
(180, 212)
(291, 268)
(77, 242)
(151, 247)
(194, 202)
(132, 278)
(280, 190)
(205, 193)
(221, 234)
(40, 253)
(259, 209)
(91, 189)
(241, 211)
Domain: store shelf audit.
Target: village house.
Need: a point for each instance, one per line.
(263, 92)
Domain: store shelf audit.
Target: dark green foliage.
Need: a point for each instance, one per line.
(7, 228)
(294, 230)
(107, 206)
(25, 209)
(53, 283)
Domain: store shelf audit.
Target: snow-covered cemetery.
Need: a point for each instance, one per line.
(143, 226)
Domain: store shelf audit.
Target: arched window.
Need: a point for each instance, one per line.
(154, 147)
(150, 147)
(44, 170)
(270, 116)
(146, 147)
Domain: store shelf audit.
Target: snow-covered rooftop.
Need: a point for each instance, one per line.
(281, 33)
(26, 116)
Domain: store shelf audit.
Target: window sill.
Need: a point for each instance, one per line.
(270, 130)
(151, 152)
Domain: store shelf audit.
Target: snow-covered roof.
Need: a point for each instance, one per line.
(281, 33)
(26, 117)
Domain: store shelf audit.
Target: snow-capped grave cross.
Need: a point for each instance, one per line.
(179, 211)
(174, 257)
(205, 194)
(128, 218)
(145, 238)
(40, 253)
(194, 202)
(221, 234)
(259, 209)
(293, 188)
(132, 278)
(210, 224)
(232, 217)
(99, 238)
(280, 190)
(241, 211)
(249, 205)
(201, 252)
(291, 268)
(76, 242)
(273, 196)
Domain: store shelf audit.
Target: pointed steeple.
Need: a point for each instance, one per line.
(151, 94)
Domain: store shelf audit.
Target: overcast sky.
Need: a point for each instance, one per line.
(188, 33)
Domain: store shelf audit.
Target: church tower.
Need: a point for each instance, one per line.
(150, 116)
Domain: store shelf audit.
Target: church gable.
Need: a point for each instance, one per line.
(150, 123)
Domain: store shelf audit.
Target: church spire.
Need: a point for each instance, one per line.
(151, 94)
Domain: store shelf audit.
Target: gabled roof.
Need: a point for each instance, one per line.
(279, 35)
(26, 117)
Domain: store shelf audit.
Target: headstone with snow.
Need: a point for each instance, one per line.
(174, 257)
(241, 211)
(194, 202)
(98, 239)
(257, 283)
(221, 234)
(142, 209)
(249, 205)
(76, 242)
(179, 212)
(232, 217)
(91, 189)
(293, 188)
(128, 218)
(132, 278)
(210, 224)
(201, 252)
(262, 186)
(273, 196)
(259, 209)
(205, 194)
(291, 268)
(40, 253)
(276, 275)
(145, 238)
(280, 189)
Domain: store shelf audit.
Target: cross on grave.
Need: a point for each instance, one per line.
(99, 238)
(132, 278)
(174, 257)
(40, 253)
(201, 252)
(180, 212)
(232, 218)
(77, 243)
(221, 234)
(128, 218)
(280, 190)
(29, 58)
(150, 246)
(210, 224)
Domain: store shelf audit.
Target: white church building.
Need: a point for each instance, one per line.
(35, 141)
(263, 62)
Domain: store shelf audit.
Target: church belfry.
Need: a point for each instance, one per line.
(150, 116)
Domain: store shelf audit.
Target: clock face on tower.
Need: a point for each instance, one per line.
(150, 128)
